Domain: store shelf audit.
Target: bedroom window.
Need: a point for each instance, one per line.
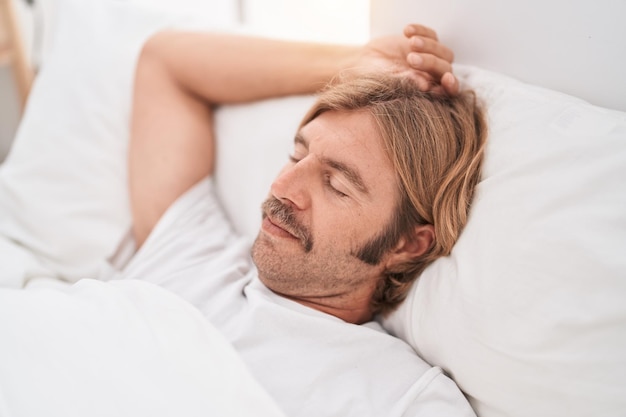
(345, 21)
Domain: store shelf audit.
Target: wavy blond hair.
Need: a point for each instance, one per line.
(436, 144)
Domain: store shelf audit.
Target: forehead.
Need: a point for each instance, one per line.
(351, 138)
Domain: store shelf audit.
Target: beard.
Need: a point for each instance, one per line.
(313, 268)
(285, 216)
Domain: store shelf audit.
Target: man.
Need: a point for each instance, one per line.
(378, 186)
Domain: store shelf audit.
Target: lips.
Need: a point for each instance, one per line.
(279, 219)
(276, 225)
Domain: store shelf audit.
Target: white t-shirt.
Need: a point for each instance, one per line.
(311, 363)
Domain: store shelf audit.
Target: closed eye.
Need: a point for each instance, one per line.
(328, 183)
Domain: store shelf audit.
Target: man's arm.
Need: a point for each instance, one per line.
(181, 75)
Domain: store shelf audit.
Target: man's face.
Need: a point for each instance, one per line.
(336, 195)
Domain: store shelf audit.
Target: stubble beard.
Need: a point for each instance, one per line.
(285, 216)
(276, 268)
(304, 271)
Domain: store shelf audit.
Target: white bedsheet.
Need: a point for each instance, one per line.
(123, 348)
(18, 265)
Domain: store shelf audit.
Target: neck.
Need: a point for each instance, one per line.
(351, 311)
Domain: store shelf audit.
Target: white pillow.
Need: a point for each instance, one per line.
(253, 144)
(63, 186)
(528, 313)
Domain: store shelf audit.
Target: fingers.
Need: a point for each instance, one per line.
(428, 63)
(431, 46)
(430, 58)
(425, 82)
(419, 30)
(419, 55)
(450, 84)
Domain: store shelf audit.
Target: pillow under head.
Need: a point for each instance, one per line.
(528, 313)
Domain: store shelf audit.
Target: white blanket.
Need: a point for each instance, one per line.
(122, 348)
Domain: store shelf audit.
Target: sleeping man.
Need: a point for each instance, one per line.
(379, 185)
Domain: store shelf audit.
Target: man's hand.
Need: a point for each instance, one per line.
(418, 55)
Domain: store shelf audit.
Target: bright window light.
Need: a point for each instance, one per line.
(337, 21)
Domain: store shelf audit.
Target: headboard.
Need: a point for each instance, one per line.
(576, 47)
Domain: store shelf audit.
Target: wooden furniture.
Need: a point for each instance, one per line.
(12, 50)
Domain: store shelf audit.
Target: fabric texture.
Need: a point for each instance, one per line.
(311, 363)
(122, 348)
(62, 186)
(527, 314)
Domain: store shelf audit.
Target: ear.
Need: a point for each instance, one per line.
(412, 245)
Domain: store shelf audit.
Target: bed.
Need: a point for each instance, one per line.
(527, 314)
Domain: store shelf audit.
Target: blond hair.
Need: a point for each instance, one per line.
(436, 144)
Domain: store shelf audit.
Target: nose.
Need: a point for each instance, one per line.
(292, 185)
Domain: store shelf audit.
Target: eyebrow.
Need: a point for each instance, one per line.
(348, 171)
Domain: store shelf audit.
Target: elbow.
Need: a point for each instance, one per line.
(160, 50)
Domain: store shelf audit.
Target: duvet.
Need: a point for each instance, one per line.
(119, 348)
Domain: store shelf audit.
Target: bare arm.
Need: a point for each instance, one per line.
(181, 75)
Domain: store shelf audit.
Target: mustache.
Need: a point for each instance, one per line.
(285, 217)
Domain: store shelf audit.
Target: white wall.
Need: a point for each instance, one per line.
(338, 21)
(574, 46)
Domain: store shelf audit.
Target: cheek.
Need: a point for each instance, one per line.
(343, 229)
